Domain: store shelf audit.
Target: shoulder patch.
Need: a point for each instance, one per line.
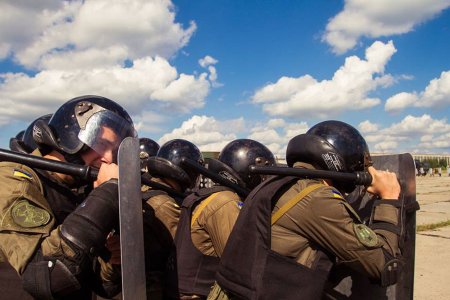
(23, 174)
(240, 204)
(365, 235)
(337, 194)
(28, 215)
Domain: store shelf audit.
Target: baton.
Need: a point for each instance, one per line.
(359, 178)
(85, 172)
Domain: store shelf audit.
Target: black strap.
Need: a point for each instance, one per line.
(386, 226)
(208, 191)
(412, 207)
(395, 203)
(152, 193)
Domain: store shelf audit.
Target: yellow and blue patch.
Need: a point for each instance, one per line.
(336, 194)
(23, 174)
(240, 204)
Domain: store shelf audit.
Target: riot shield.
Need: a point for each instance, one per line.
(131, 223)
(347, 284)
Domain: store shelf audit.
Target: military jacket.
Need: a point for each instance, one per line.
(212, 227)
(290, 257)
(324, 219)
(32, 208)
(164, 206)
(206, 222)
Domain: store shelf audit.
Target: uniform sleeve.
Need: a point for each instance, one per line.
(167, 211)
(220, 221)
(332, 224)
(25, 216)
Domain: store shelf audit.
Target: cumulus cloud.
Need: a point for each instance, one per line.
(276, 133)
(211, 134)
(207, 133)
(348, 89)
(411, 134)
(148, 82)
(36, 33)
(377, 18)
(112, 48)
(367, 127)
(208, 63)
(436, 94)
(148, 123)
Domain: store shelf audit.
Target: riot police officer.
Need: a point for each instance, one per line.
(291, 232)
(23, 142)
(58, 241)
(147, 148)
(209, 214)
(162, 210)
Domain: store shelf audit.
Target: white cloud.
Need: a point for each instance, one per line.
(367, 127)
(377, 18)
(38, 33)
(439, 143)
(148, 123)
(348, 89)
(386, 147)
(210, 134)
(112, 48)
(399, 101)
(412, 134)
(148, 81)
(207, 133)
(436, 94)
(207, 61)
(276, 133)
(424, 124)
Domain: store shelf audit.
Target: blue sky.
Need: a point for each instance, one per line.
(214, 71)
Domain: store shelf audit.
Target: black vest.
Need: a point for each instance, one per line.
(249, 269)
(195, 271)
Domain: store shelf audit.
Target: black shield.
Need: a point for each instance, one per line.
(131, 223)
(347, 284)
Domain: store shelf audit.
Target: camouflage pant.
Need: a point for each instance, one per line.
(217, 293)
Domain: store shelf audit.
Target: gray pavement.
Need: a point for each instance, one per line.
(432, 269)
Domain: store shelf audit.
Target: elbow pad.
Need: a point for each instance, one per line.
(46, 277)
(88, 225)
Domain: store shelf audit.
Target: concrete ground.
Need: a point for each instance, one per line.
(432, 270)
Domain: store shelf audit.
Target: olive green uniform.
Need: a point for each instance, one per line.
(27, 222)
(324, 221)
(165, 207)
(212, 227)
(323, 218)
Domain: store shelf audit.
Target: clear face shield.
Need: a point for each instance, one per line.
(103, 132)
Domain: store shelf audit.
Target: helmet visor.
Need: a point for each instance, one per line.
(104, 131)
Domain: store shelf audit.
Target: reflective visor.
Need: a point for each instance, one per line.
(104, 131)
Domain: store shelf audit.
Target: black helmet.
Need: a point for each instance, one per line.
(147, 148)
(24, 142)
(81, 122)
(331, 145)
(235, 159)
(28, 135)
(167, 162)
(16, 144)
